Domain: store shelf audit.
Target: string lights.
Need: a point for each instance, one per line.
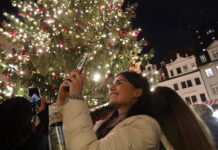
(50, 37)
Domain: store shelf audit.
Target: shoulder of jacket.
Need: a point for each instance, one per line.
(140, 119)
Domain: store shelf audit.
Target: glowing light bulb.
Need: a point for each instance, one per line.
(21, 72)
(152, 89)
(10, 55)
(59, 12)
(96, 77)
(9, 91)
(40, 50)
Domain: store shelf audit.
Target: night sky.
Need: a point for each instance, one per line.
(166, 24)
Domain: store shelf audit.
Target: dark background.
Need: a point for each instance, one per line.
(166, 24)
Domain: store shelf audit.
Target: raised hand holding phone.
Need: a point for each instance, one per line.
(80, 66)
(76, 84)
(73, 84)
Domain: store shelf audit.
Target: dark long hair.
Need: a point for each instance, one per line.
(142, 105)
(15, 127)
(183, 129)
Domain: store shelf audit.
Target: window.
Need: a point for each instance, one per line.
(194, 98)
(216, 67)
(209, 72)
(193, 66)
(176, 87)
(197, 81)
(185, 68)
(188, 100)
(183, 85)
(203, 97)
(189, 83)
(178, 70)
(215, 89)
(215, 53)
(171, 72)
(203, 58)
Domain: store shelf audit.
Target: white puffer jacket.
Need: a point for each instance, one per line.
(134, 133)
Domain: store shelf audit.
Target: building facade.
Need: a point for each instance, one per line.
(209, 70)
(185, 78)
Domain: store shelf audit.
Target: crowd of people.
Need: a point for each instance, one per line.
(141, 119)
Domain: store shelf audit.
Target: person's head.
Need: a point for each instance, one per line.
(129, 91)
(178, 121)
(16, 115)
(203, 109)
(129, 95)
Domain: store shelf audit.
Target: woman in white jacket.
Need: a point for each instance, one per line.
(129, 128)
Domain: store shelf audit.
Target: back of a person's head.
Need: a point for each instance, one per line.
(203, 109)
(15, 127)
(178, 122)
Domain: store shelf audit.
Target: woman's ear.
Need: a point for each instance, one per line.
(138, 92)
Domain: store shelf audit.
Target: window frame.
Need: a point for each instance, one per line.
(178, 70)
(189, 82)
(188, 100)
(185, 68)
(171, 73)
(194, 98)
(203, 97)
(197, 80)
(209, 72)
(176, 87)
(203, 58)
(214, 88)
(183, 84)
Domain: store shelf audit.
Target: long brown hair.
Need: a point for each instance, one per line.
(183, 129)
(140, 107)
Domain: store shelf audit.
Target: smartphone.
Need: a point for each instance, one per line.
(82, 63)
(34, 96)
(79, 67)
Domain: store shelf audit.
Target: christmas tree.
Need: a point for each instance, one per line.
(50, 37)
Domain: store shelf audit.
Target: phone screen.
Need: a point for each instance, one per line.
(34, 95)
(82, 63)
